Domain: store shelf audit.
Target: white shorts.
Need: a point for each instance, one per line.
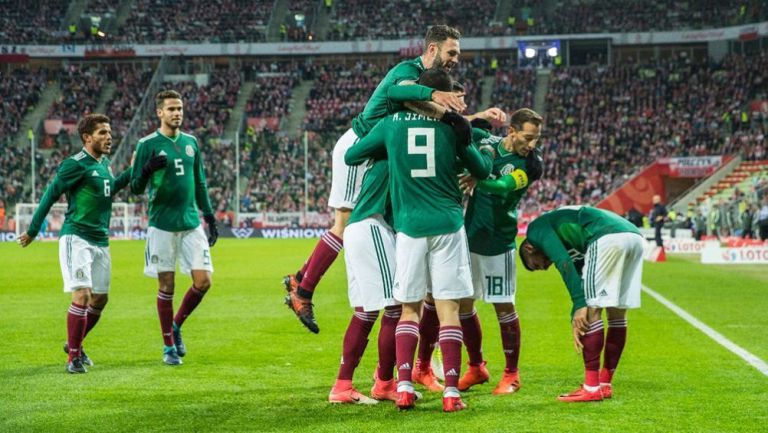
(439, 263)
(346, 180)
(494, 277)
(613, 268)
(369, 253)
(84, 264)
(164, 249)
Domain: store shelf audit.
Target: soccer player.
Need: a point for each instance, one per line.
(87, 180)
(600, 257)
(441, 49)
(175, 234)
(431, 242)
(370, 263)
(491, 224)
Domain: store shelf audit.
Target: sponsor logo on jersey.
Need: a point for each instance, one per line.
(452, 372)
(189, 151)
(405, 366)
(509, 168)
(80, 274)
(95, 173)
(162, 152)
(603, 293)
(154, 259)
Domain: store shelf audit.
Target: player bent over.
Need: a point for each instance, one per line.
(370, 260)
(431, 241)
(441, 49)
(600, 257)
(87, 180)
(175, 233)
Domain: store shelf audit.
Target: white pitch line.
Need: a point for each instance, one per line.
(719, 338)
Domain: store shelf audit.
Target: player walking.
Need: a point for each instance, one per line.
(431, 242)
(87, 180)
(441, 49)
(176, 191)
(600, 257)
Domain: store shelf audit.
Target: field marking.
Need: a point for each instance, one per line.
(719, 338)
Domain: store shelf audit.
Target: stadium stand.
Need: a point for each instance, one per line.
(19, 90)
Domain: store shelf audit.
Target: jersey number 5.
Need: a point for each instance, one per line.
(428, 150)
(179, 165)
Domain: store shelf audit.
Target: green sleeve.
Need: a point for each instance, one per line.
(201, 189)
(139, 182)
(514, 181)
(479, 165)
(372, 145)
(544, 238)
(409, 92)
(122, 181)
(67, 176)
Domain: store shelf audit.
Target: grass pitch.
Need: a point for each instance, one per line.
(252, 367)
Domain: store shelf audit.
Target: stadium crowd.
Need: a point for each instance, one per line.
(20, 90)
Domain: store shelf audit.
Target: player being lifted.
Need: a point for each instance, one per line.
(176, 191)
(87, 180)
(600, 257)
(441, 49)
(431, 242)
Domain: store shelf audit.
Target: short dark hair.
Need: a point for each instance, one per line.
(439, 33)
(165, 94)
(457, 87)
(436, 78)
(522, 257)
(525, 115)
(87, 124)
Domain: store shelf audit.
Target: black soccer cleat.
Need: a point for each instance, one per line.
(86, 360)
(181, 349)
(301, 306)
(170, 356)
(75, 366)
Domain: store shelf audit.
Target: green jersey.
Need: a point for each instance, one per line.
(175, 192)
(89, 185)
(422, 152)
(374, 194)
(564, 235)
(491, 217)
(379, 105)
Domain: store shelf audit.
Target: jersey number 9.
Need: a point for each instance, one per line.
(428, 150)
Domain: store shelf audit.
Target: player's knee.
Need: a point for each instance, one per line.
(466, 306)
(504, 309)
(203, 284)
(99, 301)
(81, 296)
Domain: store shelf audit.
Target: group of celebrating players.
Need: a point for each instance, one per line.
(400, 174)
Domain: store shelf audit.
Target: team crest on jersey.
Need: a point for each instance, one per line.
(509, 168)
(155, 259)
(190, 151)
(80, 274)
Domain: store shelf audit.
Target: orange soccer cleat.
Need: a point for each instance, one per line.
(475, 375)
(581, 395)
(509, 383)
(405, 400)
(301, 306)
(425, 376)
(384, 389)
(607, 390)
(453, 404)
(349, 396)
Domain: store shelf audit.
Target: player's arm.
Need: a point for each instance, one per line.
(372, 145)
(68, 175)
(408, 90)
(203, 200)
(145, 164)
(478, 164)
(429, 109)
(545, 238)
(490, 115)
(513, 181)
(122, 181)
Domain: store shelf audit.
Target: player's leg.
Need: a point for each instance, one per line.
(476, 373)
(509, 324)
(384, 386)
(345, 186)
(410, 289)
(450, 271)
(160, 256)
(429, 331)
(355, 342)
(628, 297)
(76, 260)
(195, 261)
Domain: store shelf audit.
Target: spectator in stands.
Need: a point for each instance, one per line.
(658, 216)
(762, 219)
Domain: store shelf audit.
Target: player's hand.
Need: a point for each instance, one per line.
(156, 162)
(534, 165)
(481, 124)
(213, 232)
(577, 344)
(460, 126)
(492, 114)
(579, 321)
(467, 183)
(449, 100)
(25, 239)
